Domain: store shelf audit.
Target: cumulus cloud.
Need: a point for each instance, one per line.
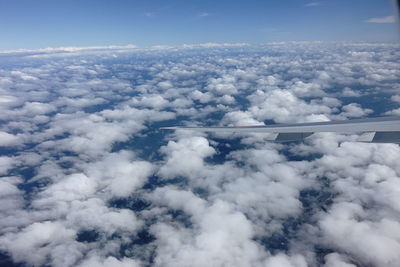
(395, 112)
(110, 261)
(6, 163)
(7, 139)
(220, 235)
(283, 106)
(353, 110)
(237, 118)
(335, 259)
(10, 196)
(33, 244)
(185, 156)
(395, 98)
(348, 92)
(124, 173)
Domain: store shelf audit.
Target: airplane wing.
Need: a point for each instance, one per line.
(375, 130)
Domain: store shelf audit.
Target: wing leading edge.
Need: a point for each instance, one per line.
(376, 130)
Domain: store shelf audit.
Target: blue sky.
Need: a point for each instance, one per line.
(43, 23)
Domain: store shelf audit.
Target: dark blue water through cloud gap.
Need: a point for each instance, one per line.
(89, 179)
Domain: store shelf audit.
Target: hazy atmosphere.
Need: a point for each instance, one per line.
(87, 178)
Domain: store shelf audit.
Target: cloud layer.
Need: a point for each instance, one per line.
(87, 178)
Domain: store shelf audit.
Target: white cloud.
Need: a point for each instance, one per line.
(312, 4)
(123, 173)
(283, 106)
(202, 97)
(7, 139)
(395, 112)
(220, 234)
(97, 261)
(238, 118)
(70, 49)
(387, 19)
(343, 229)
(6, 163)
(73, 187)
(282, 260)
(207, 45)
(354, 110)
(395, 98)
(348, 92)
(152, 101)
(93, 214)
(32, 244)
(185, 157)
(203, 14)
(10, 198)
(335, 259)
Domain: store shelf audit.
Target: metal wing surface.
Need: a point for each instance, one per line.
(377, 130)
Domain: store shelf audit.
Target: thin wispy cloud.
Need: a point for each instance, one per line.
(149, 14)
(388, 19)
(312, 4)
(203, 14)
